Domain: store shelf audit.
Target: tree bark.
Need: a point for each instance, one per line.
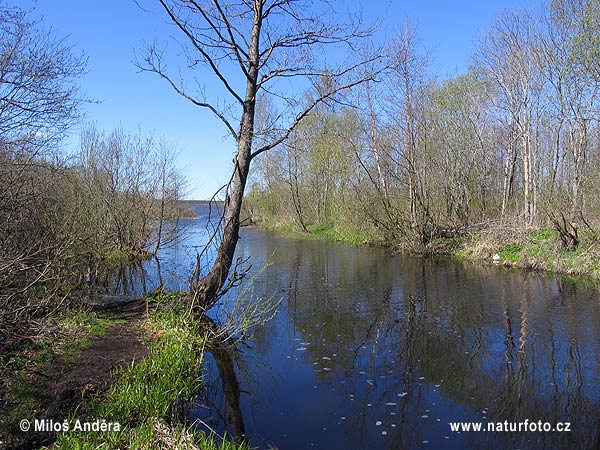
(509, 171)
(204, 293)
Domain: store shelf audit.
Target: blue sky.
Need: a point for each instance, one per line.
(110, 31)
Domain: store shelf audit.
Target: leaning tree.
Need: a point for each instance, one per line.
(257, 49)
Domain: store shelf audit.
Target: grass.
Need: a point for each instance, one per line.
(448, 245)
(171, 370)
(351, 236)
(538, 249)
(153, 434)
(289, 227)
(80, 327)
(93, 324)
(510, 252)
(142, 398)
(66, 335)
(324, 230)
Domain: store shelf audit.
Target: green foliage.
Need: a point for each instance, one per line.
(448, 244)
(244, 313)
(143, 395)
(290, 227)
(511, 252)
(324, 229)
(431, 164)
(541, 236)
(350, 236)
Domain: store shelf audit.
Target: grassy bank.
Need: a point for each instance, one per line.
(143, 397)
(326, 231)
(68, 373)
(533, 249)
(524, 249)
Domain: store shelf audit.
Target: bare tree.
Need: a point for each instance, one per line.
(509, 60)
(256, 47)
(38, 103)
(38, 91)
(409, 92)
(564, 56)
(131, 186)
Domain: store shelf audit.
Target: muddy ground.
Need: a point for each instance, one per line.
(68, 387)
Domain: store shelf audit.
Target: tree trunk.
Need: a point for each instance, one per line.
(509, 171)
(556, 158)
(294, 189)
(410, 163)
(578, 138)
(162, 209)
(375, 147)
(221, 352)
(204, 293)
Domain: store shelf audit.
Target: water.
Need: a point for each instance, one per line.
(175, 263)
(373, 351)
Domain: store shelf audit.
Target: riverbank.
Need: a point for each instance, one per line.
(327, 231)
(125, 368)
(537, 249)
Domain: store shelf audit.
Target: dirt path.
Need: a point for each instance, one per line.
(68, 386)
(93, 368)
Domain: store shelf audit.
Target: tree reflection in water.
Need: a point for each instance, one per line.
(222, 399)
(363, 337)
(414, 344)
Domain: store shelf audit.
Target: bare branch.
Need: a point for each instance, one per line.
(239, 52)
(199, 46)
(277, 37)
(321, 98)
(158, 70)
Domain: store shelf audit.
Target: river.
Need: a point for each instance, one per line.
(369, 350)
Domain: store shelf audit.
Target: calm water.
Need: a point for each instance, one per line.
(373, 351)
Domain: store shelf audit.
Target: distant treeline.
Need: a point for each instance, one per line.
(410, 159)
(190, 207)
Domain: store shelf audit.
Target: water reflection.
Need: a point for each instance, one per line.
(220, 399)
(171, 268)
(373, 351)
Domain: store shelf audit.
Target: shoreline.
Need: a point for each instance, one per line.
(536, 250)
(109, 368)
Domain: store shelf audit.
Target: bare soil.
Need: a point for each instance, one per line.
(70, 387)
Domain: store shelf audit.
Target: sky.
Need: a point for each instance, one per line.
(111, 32)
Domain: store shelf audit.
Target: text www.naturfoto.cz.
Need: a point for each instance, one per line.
(507, 426)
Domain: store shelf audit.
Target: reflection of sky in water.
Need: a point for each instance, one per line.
(371, 351)
(176, 258)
